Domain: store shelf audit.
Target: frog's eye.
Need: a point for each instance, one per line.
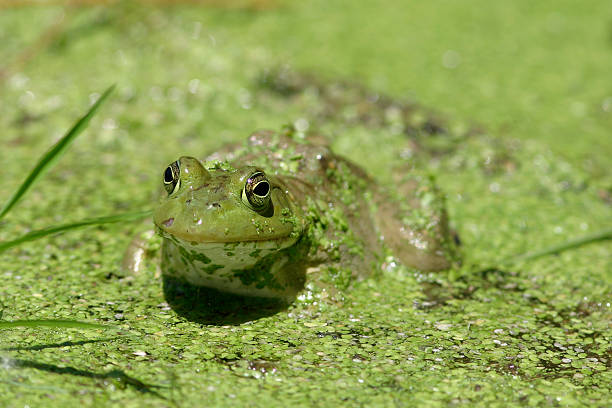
(256, 193)
(172, 177)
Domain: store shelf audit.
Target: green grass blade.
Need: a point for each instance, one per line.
(33, 387)
(574, 243)
(74, 324)
(47, 160)
(55, 229)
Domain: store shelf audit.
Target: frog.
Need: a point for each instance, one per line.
(266, 217)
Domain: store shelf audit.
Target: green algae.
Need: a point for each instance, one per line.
(532, 174)
(50, 323)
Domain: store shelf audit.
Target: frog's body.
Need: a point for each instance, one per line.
(278, 208)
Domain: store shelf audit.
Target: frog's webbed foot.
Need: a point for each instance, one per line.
(142, 247)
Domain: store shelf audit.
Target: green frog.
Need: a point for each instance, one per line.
(265, 217)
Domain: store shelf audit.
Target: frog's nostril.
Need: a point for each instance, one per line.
(168, 222)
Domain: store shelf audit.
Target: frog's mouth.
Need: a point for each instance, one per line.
(202, 242)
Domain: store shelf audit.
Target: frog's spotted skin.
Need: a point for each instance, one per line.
(228, 266)
(253, 219)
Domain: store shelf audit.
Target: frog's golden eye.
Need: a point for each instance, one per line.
(172, 177)
(256, 192)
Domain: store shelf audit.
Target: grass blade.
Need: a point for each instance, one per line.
(47, 160)
(74, 324)
(33, 387)
(574, 243)
(56, 229)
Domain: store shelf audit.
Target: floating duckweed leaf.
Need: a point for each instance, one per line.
(47, 160)
(55, 229)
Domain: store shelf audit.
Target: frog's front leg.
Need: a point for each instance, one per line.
(144, 246)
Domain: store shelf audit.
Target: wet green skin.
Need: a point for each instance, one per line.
(326, 218)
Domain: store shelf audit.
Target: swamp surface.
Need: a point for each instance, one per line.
(507, 104)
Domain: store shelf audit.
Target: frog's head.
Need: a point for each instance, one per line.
(224, 205)
(226, 227)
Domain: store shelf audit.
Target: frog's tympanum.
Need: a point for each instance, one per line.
(261, 219)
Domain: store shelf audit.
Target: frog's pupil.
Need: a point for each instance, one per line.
(168, 175)
(261, 189)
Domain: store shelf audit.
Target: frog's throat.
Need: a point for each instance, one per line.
(234, 267)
